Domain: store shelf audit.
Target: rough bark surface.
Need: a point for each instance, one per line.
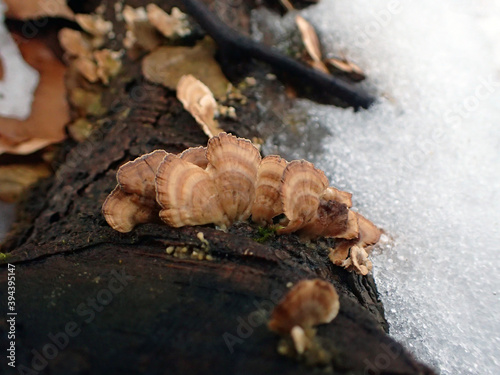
(165, 315)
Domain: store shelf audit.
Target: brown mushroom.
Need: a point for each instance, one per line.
(307, 304)
(267, 203)
(333, 194)
(195, 155)
(133, 201)
(233, 163)
(187, 194)
(124, 211)
(333, 219)
(199, 101)
(302, 187)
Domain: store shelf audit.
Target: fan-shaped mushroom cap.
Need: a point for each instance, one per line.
(133, 201)
(233, 163)
(302, 187)
(333, 219)
(124, 211)
(195, 155)
(267, 203)
(309, 303)
(199, 101)
(138, 176)
(369, 234)
(334, 194)
(359, 260)
(187, 194)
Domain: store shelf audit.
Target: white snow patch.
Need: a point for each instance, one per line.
(423, 163)
(19, 79)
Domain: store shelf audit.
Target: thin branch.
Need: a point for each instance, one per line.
(233, 41)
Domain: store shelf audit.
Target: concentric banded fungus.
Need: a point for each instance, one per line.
(187, 194)
(301, 190)
(133, 200)
(226, 182)
(267, 202)
(195, 155)
(307, 304)
(199, 101)
(233, 163)
(353, 254)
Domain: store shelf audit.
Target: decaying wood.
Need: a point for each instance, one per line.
(139, 309)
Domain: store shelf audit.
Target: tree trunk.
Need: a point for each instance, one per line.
(92, 300)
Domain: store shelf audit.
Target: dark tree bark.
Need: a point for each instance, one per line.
(91, 300)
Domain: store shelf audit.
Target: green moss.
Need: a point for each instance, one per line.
(264, 234)
(4, 256)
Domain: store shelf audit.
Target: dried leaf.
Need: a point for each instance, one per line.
(347, 67)
(94, 24)
(198, 100)
(75, 43)
(311, 42)
(30, 9)
(16, 178)
(170, 25)
(87, 67)
(108, 64)
(166, 65)
(50, 111)
(140, 31)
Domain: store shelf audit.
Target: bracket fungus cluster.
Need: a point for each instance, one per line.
(307, 304)
(228, 182)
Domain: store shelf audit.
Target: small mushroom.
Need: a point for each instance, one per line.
(267, 202)
(187, 194)
(199, 101)
(359, 260)
(133, 201)
(334, 220)
(353, 254)
(307, 304)
(234, 163)
(195, 155)
(124, 211)
(333, 194)
(138, 176)
(302, 187)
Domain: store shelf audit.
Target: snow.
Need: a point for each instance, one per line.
(423, 163)
(19, 81)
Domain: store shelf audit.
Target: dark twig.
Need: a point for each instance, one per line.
(234, 43)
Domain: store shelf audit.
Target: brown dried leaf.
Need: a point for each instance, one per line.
(50, 111)
(94, 24)
(108, 64)
(347, 67)
(87, 67)
(166, 66)
(198, 100)
(16, 178)
(30, 9)
(170, 25)
(311, 42)
(75, 43)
